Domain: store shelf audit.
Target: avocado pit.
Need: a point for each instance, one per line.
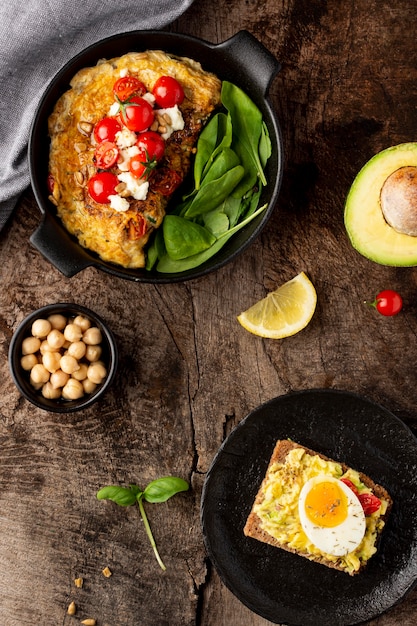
(399, 200)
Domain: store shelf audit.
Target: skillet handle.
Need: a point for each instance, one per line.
(57, 247)
(260, 66)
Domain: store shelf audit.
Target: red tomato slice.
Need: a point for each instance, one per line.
(127, 86)
(102, 185)
(137, 114)
(152, 143)
(137, 227)
(106, 129)
(167, 92)
(370, 503)
(350, 484)
(106, 155)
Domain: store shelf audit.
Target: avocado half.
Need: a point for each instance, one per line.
(381, 207)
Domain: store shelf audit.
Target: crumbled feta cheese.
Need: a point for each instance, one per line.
(114, 109)
(149, 97)
(125, 138)
(138, 189)
(124, 157)
(118, 203)
(177, 120)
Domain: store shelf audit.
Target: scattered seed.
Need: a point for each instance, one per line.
(79, 178)
(79, 582)
(107, 572)
(162, 129)
(89, 622)
(167, 119)
(120, 187)
(72, 609)
(53, 200)
(154, 125)
(85, 128)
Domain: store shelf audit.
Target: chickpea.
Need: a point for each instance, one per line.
(89, 386)
(77, 349)
(72, 332)
(73, 390)
(58, 321)
(39, 374)
(45, 347)
(81, 373)
(82, 322)
(30, 345)
(92, 336)
(50, 392)
(28, 361)
(93, 353)
(51, 361)
(55, 339)
(59, 379)
(69, 364)
(96, 372)
(40, 328)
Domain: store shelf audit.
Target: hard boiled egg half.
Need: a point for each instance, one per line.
(331, 515)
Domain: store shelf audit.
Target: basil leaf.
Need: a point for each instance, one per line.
(120, 495)
(162, 489)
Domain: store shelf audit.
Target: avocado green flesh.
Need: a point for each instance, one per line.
(365, 224)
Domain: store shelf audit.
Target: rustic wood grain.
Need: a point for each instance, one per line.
(188, 372)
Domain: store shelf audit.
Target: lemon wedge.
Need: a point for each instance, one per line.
(283, 312)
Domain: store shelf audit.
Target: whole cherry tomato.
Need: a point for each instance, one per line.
(369, 502)
(141, 166)
(128, 86)
(137, 114)
(152, 143)
(167, 92)
(388, 302)
(106, 154)
(106, 129)
(165, 181)
(102, 185)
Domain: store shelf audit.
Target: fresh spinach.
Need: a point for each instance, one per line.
(232, 152)
(158, 490)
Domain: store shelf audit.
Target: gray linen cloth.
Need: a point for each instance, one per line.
(36, 38)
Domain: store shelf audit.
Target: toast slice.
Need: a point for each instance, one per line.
(288, 535)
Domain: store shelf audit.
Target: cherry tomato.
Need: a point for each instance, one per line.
(127, 86)
(152, 143)
(165, 181)
(106, 129)
(388, 302)
(141, 166)
(167, 92)
(102, 185)
(137, 114)
(137, 227)
(106, 155)
(370, 503)
(50, 181)
(350, 484)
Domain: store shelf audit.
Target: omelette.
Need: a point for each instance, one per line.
(107, 193)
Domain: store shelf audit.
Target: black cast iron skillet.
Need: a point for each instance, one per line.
(242, 59)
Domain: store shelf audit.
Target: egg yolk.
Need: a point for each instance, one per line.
(326, 504)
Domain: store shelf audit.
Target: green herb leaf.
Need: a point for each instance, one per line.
(215, 192)
(123, 496)
(184, 238)
(162, 489)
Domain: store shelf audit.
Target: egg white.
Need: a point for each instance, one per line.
(341, 539)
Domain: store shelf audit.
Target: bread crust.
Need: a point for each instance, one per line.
(253, 527)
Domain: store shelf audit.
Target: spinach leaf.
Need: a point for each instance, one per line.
(215, 192)
(184, 238)
(213, 138)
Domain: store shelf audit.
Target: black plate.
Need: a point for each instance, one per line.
(281, 586)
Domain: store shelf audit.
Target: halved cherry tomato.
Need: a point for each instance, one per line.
(137, 114)
(152, 143)
(388, 302)
(137, 227)
(106, 129)
(141, 166)
(128, 86)
(106, 155)
(102, 185)
(350, 484)
(166, 181)
(167, 92)
(370, 503)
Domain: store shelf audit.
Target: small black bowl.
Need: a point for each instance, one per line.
(21, 377)
(242, 60)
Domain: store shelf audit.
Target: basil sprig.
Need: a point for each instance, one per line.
(158, 490)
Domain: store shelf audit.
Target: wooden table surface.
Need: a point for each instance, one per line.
(189, 373)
